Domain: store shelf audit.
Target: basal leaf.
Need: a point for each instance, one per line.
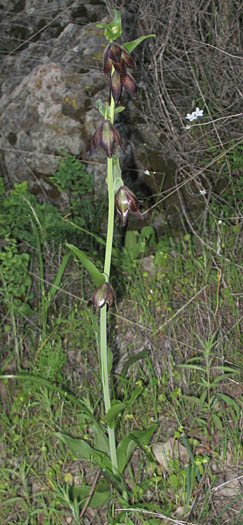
(100, 439)
(81, 449)
(125, 450)
(100, 496)
(128, 444)
(142, 437)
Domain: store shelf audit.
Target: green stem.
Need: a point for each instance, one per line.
(103, 312)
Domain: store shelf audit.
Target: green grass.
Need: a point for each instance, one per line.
(175, 338)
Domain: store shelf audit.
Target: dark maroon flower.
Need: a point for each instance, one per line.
(118, 81)
(102, 295)
(125, 202)
(129, 83)
(117, 56)
(106, 136)
(116, 85)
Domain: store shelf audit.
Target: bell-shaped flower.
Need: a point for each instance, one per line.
(116, 85)
(129, 84)
(118, 81)
(126, 202)
(106, 136)
(101, 296)
(117, 56)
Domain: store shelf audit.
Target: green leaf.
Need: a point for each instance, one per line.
(135, 394)
(131, 243)
(147, 233)
(81, 449)
(132, 360)
(229, 401)
(117, 407)
(119, 109)
(97, 276)
(125, 450)
(130, 46)
(192, 367)
(226, 369)
(128, 444)
(102, 107)
(100, 496)
(100, 439)
(55, 285)
(217, 421)
(114, 411)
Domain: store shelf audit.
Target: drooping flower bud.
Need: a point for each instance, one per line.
(126, 201)
(111, 56)
(101, 296)
(116, 85)
(117, 56)
(118, 81)
(106, 136)
(129, 84)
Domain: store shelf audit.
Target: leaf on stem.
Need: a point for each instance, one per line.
(130, 46)
(97, 277)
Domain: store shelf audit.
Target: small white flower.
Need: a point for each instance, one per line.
(194, 115)
(202, 192)
(146, 172)
(190, 117)
(219, 222)
(198, 112)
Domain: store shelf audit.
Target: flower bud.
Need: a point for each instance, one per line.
(118, 81)
(125, 202)
(101, 296)
(129, 84)
(117, 56)
(116, 86)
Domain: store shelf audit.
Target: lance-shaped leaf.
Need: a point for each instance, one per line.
(81, 449)
(112, 414)
(130, 46)
(97, 277)
(128, 444)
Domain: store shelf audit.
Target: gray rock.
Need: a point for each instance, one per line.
(51, 109)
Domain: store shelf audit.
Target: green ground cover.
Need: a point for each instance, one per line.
(176, 342)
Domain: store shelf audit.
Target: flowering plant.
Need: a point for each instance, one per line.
(112, 459)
